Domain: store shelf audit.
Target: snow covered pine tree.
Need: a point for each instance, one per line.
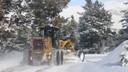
(28, 17)
(124, 56)
(44, 12)
(124, 21)
(93, 25)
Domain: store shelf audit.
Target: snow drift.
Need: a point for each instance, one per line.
(114, 56)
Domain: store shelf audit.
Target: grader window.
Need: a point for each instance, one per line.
(38, 44)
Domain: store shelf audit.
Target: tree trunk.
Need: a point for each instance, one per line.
(99, 48)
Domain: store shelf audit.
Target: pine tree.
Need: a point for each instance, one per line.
(45, 11)
(28, 16)
(124, 31)
(93, 24)
(70, 28)
(17, 32)
(67, 27)
(125, 18)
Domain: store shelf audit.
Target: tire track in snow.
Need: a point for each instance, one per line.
(42, 70)
(15, 69)
(26, 68)
(61, 68)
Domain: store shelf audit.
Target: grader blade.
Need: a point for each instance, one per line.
(71, 58)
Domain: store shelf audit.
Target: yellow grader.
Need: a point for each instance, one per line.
(48, 48)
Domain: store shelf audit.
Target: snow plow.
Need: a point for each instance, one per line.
(48, 48)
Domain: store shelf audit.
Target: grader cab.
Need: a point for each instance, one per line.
(49, 48)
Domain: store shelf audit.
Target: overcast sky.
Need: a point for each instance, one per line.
(82, 2)
(75, 6)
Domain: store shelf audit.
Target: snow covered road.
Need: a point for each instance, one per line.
(26, 68)
(12, 63)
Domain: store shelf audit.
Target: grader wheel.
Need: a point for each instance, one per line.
(62, 57)
(59, 57)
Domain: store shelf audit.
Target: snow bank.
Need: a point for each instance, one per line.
(114, 56)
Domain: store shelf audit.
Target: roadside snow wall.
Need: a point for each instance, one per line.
(114, 57)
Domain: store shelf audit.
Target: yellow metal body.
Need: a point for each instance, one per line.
(37, 54)
(48, 47)
(69, 49)
(66, 44)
